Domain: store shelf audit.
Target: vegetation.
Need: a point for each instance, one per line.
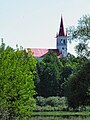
(49, 75)
(78, 87)
(17, 72)
(62, 85)
(62, 79)
(82, 34)
(60, 118)
(54, 75)
(61, 113)
(50, 104)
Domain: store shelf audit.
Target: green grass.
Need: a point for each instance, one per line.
(61, 113)
(60, 118)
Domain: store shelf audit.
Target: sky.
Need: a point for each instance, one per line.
(34, 23)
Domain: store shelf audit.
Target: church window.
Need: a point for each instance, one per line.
(64, 41)
(61, 40)
(63, 48)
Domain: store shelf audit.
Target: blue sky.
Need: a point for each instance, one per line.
(34, 23)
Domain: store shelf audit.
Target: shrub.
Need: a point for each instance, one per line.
(40, 101)
(50, 103)
(56, 101)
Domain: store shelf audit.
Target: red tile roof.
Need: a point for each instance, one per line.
(38, 52)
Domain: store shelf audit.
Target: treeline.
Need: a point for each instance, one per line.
(68, 76)
(52, 80)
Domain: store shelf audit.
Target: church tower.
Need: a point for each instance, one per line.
(62, 40)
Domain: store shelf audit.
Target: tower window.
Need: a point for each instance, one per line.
(61, 40)
(62, 48)
(64, 41)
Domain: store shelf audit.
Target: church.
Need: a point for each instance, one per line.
(61, 45)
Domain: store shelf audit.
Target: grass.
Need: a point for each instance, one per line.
(61, 113)
(60, 118)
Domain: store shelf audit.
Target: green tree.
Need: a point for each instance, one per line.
(53, 74)
(78, 87)
(49, 74)
(82, 33)
(17, 72)
(70, 65)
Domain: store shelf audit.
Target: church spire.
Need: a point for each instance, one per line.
(61, 30)
(62, 40)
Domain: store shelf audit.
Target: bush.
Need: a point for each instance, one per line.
(53, 101)
(40, 101)
(56, 101)
(50, 104)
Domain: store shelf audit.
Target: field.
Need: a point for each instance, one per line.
(60, 116)
(61, 113)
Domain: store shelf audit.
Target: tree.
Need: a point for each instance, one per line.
(17, 72)
(54, 72)
(82, 33)
(70, 65)
(78, 87)
(49, 74)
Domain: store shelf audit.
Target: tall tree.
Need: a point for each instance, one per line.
(17, 72)
(82, 33)
(78, 87)
(49, 74)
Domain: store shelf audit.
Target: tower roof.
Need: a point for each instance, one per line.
(61, 30)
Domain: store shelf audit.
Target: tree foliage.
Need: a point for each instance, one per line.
(53, 73)
(82, 33)
(78, 87)
(49, 74)
(17, 72)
